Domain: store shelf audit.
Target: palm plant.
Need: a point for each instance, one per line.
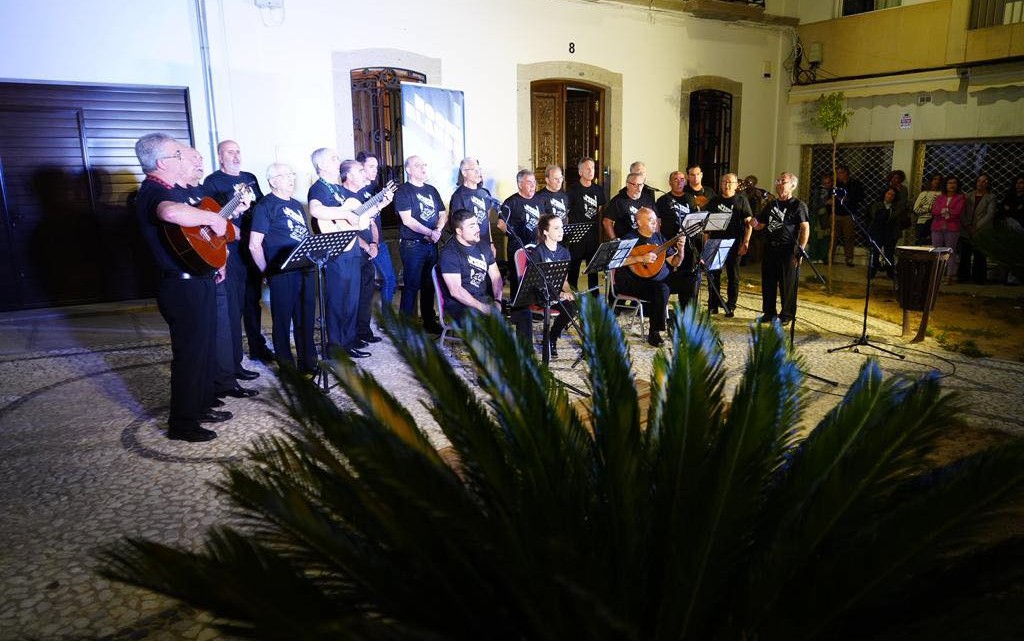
(715, 521)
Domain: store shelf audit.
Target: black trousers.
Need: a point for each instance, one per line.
(367, 285)
(293, 305)
(580, 252)
(245, 289)
(342, 285)
(732, 288)
(654, 291)
(778, 279)
(190, 309)
(224, 348)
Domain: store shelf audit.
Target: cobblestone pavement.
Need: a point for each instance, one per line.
(84, 459)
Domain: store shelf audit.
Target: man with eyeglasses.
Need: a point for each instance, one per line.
(786, 227)
(423, 216)
(672, 208)
(730, 202)
(278, 226)
(472, 196)
(553, 200)
(620, 214)
(186, 298)
(244, 283)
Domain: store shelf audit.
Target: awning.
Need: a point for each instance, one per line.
(923, 82)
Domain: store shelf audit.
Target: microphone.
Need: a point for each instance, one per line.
(493, 202)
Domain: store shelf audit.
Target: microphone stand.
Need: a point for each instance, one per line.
(884, 261)
(547, 296)
(701, 267)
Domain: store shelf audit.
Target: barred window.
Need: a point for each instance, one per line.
(710, 140)
(868, 163)
(965, 159)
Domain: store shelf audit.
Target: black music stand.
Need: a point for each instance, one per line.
(317, 250)
(535, 288)
(575, 233)
(611, 255)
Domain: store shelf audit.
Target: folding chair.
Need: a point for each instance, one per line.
(435, 277)
(622, 301)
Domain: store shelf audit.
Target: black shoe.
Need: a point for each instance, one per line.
(264, 355)
(217, 403)
(357, 353)
(554, 348)
(243, 374)
(713, 311)
(433, 328)
(785, 320)
(766, 319)
(655, 339)
(195, 434)
(369, 340)
(215, 416)
(357, 343)
(238, 392)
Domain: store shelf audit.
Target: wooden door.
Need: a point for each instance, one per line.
(566, 125)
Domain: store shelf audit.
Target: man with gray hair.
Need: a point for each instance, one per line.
(185, 297)
(423, 218)
(787, 229)
(620, 214)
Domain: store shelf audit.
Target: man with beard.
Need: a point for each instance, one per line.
(468, 269)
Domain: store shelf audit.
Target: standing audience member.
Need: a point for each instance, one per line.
(946, 213)
(923, 209)
(884, 225)
(820, 213)
(278, 226)
(979, 215)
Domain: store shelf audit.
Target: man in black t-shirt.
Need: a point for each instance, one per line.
(186, 298)
(672, 208)
(467, 267)
(326, 198)
(654, 290)
(423, 218)
(553, 200)
(244, 282)
(472, 196)
(695, 187)
(278, 226)
(522, 211)
(620, 214)
(735, 204)
(586, 200)
(786, 225)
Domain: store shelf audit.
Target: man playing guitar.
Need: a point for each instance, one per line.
(653, 289)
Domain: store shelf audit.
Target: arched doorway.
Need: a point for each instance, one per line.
(566, 123)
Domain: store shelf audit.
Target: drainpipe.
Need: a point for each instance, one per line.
(204, 55)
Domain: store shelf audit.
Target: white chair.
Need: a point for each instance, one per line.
(627, 302)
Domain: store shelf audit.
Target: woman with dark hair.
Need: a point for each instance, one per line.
(979, 215)
(923, 208)
(884, 226)
(946, 214)
(550, 232)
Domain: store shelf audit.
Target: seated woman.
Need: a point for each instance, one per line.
(549, 249)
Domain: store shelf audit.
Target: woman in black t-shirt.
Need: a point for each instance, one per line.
(549, 249)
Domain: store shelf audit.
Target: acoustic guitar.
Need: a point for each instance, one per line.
(199, 247)
(650, 270)
(354, 206)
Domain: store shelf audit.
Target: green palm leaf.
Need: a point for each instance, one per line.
(714, 521)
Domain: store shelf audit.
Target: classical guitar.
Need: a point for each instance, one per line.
(650, 270)
(199, 247)
(354, 206)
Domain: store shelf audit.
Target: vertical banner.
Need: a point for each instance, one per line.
(433, 126)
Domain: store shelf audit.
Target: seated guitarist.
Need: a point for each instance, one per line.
(653, 289)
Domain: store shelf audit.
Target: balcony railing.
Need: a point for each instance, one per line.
(989, 13)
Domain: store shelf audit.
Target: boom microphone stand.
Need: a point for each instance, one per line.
(884, 261)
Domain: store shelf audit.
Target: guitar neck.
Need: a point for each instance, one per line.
(228, 210)
(669, 243)
(373, 201)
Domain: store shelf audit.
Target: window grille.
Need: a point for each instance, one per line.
(965, 159)
(710, 136)
(870, 164)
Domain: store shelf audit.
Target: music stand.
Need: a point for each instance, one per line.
(317, 250)
(611, 255)
(576, 233)
(716, 250)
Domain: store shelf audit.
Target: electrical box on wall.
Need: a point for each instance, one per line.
(814, 53)
(269, 4)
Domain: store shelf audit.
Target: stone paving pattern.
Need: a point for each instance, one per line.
(84, 460)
